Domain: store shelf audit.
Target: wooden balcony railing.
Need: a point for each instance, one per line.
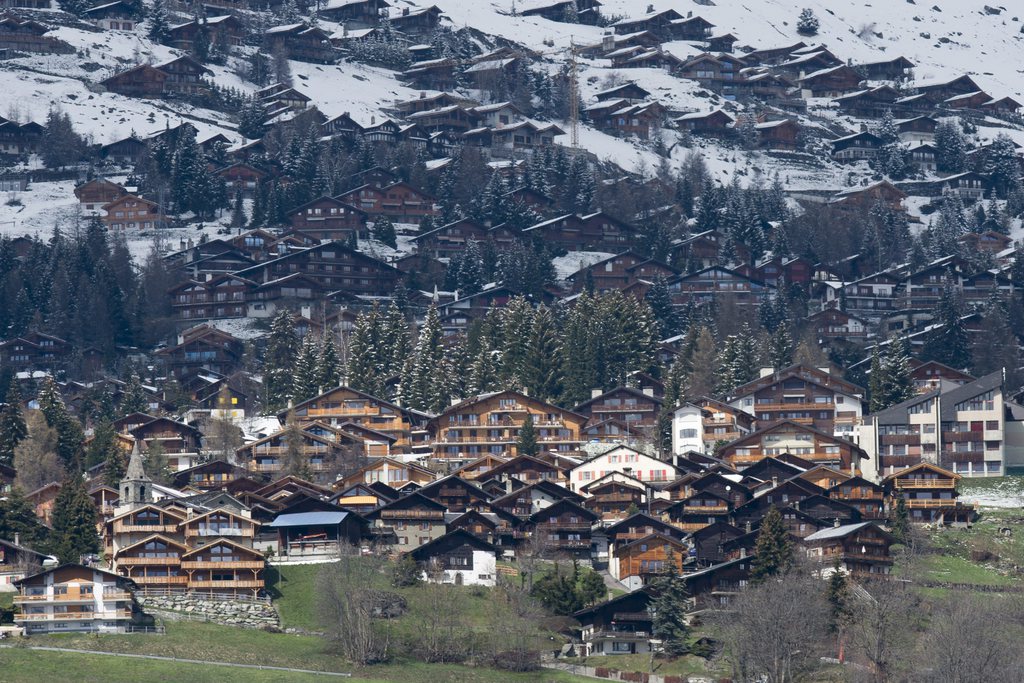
(245, 531)
(121, 527)
(160, 580)
(714, 509)
(148, 561)
(75, 616)
(82, 597)
(238, 564)
(226, 584)
(930, 502)
(411, 514)
(924, 483)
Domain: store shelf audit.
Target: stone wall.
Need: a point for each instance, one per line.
(197, 608)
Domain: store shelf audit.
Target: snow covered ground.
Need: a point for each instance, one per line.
(1005, 492)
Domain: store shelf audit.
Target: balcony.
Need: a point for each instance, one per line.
(568, 543)
(713, 509)
(924, 483)
(412, 514)
(900, 440)
(549, 526)
(227, 584)
(219, 531)
(931, 502)
(803, 405)
(237, 564)
(617, 497)
(148, 561)
(75, 616)
(160, 580)
(621, 635)
(70, 598)
(122, 528)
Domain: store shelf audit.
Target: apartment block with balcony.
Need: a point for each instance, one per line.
(638, 409)
(72, 598)
(270, 456)
(802, 394)
(490, 423)
(178, 441)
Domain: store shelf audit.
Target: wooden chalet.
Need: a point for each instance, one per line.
(317, 533)
(302, 42)
(19, 35)
(930, 494)
(787, 436)
(411, 521)
(860, 549)
(224, 31)
(329, 219)
(715, 123)
(830, 82)
(714, 282)
(131, 212)
(34, 351)
(342, 405)
(869, 103)
(639, 410)
(202, 347)
(622, 625)
(778, 135)
(400, 201)
(458, 557)
(564, 527)
(490, 423)
(637, 562)
(333, 265)
(592, 232)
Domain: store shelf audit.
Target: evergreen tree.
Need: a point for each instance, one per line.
(949, 343)
(951, 147)
(279, 360)
(13, 429)
(73, 523)
(1003, 166)
(780, 349)
(250, 119)
(516, 320)
(542, 372)
(365, 370)
(134, 398)
(159, 24)
(773, 553)
(115, 464)
(660, 301)
(877, 382)
(526, 441)
(701, 381)
(60, 145)
(394, 335)
(306, 372)
(899, 520)
(995, 348)
(807, 23)
(384, 232)
(897, 382)
(668, 610)
(18, 520)
(329, 369)
(69, 431)
(840, 601)
(427, 381)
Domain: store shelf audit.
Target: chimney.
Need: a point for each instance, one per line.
(827, 371)
(405, 11)
(775, 482)
(836, 523)
(747, 526)
(373, 120)
(764, 372)
(743, 553)
(796, 504)
(17, 538)
(594, 393)
(608, 42)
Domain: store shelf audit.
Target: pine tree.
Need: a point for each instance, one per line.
(69, 431)
(807, 23)
(279, 360)
(516, 320)
(899, 521)
(840, 602)
(898, 384)
(134, 398)
(18, 520)
(996, 347)
(306, 372)
(701, 381)
(668, 610)
(773, 553)
(159, 24)
(329, 370)
(13, 429)
(427, 379)
(526, 441)
(365, 370)
(949, 342)
(73, 523)
(250, 119)
(115, 464)
(394, 335)
(660, 301)
(951, 147)
(1003, 166)
(877, 382)
(780, 349)
(542, 372)
(384, 232)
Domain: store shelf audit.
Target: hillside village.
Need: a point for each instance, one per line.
(473, 295)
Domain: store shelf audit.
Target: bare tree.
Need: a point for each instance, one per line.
(442, 633)
(962, 646)
(513, 629)
(776, 631)
(347, 604)
(35, 458)
(881, 629)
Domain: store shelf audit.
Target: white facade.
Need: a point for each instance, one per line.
(687, 429)
(621, 459)
(482, 571)
(52, 605)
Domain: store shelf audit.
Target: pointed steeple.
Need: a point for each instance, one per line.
(136, 487)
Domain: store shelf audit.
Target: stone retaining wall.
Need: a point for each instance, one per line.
(198, 608)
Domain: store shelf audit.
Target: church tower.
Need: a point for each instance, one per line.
(136, 488)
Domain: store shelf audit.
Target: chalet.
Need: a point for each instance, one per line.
(184, 77)
(456, 494)
(806, 62)
(400, 201)
(527, 469)
(459, 558)
(870, 103)
(773, 55)
(809, 395)
(141, 81)
(638, 58)
(625, 460)
(26, 35)
(213, 475)
(127, 151)
(716, 282)
(716, 73)
(73, 597)
(1002, 106)
(432, 74)
(859, 198)
(113, 16)
(317, 533)
(619, 272)
(831, 82)
(787, 436)
(415, 520)
(301, 42)
(778, 135)
(718, 584)
(564, 527)
(659, 24)
(594, 232)
(131, 212)
(448, 240)
(635, 563)
(202, 347)
(896, 69)
(33, 351)
(479, 470)
(179, 442)
(341, 405)
(969, 186)
(856, 147)
(716, 123)
(417, 22)
(619, 117)
(971, 100)
(329, 219)
(333, 265)
(522, 138)
(615, 495)
(629, 91)
(622, 625)
(241, 178)
(490, 423)
(957, 86)
(636, 408)
(833, 323)
(224, 32)
(221, 296)
(860, 549)
(16, 561)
